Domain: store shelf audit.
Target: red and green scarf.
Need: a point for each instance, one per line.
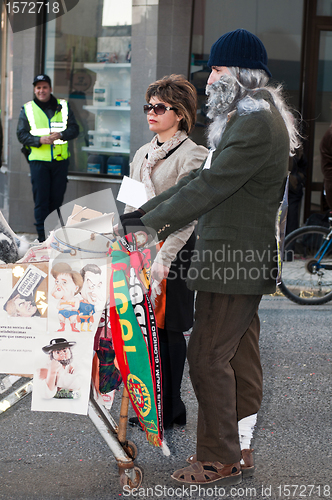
(134, 333)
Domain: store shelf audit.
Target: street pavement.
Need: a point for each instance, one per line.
(55, 456)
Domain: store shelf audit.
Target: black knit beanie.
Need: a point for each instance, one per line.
(239, 48)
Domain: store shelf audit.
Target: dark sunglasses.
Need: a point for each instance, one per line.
(159, 108)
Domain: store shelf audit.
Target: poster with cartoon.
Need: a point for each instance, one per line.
(23, 314)
(62, 374)
(62, 368)
(77, 295)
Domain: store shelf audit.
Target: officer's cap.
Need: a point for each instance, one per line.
(42, 78)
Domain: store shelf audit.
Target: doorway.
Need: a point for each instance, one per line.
(316, 98)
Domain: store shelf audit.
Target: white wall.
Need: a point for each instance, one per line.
(277, 23)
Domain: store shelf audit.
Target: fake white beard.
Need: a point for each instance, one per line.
(221, 95)
(224, 96)
(216, 130)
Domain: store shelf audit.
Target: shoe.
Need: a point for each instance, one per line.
(181, 419)
(209, 472)
(174, 412)
(41, 237)
(247, 462)
(134, 422)
(173, 357)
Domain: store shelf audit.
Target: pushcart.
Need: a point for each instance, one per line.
(123, 450)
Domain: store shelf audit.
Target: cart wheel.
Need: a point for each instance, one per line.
(136, 483)
(131, 449)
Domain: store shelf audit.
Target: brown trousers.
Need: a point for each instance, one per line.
(225, 370)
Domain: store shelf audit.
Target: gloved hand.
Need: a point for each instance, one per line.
(130, 225)
(137, 214)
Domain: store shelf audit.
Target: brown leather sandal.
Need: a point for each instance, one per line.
(209, 472)
(247, 462)
(248, 466)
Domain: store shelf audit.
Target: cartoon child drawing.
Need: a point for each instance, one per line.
(68, 284)
(91, 294)
(60, 378)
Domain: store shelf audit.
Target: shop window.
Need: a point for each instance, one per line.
(88, 56)
(275, 23)
(324, 7)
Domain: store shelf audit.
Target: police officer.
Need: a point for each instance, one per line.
(45, 126)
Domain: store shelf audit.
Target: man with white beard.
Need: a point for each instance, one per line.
(235, 196)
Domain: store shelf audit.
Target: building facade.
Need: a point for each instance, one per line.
(101, 57)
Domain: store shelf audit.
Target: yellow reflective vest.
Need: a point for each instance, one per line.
(41, 125)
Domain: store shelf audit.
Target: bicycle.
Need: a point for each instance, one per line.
(307, 265)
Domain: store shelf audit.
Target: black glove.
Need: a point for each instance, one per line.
(137, 214)
(131, 225)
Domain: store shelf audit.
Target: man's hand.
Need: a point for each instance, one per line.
(51, 379)
(55, 136)
(159, 271)
(132, 225)
(54, 366)
(46, 139)
(137, 214)
(49, 139)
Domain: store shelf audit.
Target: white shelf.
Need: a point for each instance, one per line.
(99, 132)
(94, 149)
(108, 117)
(93, 109)
(102, 66)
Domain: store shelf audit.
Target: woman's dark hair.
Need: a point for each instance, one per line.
(176, 91)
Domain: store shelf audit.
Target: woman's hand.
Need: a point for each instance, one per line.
(159, 271)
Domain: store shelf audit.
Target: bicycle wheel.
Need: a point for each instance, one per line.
(303, 280)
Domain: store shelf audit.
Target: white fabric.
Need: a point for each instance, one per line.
(68, 377)
(207, 164)
(155, 154)
(246, 429)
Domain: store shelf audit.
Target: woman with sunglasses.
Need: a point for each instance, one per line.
(171, 155)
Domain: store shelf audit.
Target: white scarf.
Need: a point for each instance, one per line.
(155, 154)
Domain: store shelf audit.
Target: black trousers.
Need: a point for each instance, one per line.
(49, 183)
(225, 370)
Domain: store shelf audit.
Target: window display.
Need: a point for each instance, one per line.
(111, 108)
(88, 58)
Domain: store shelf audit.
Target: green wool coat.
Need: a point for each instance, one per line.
(235, 202)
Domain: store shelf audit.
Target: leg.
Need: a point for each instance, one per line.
(58, 183)
(173, 350)
(72, 321)
(248, 371)
(220, 322)
(41, 190)
(62, 321)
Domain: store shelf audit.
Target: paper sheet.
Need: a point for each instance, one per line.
(132, 192)
(102, 224)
